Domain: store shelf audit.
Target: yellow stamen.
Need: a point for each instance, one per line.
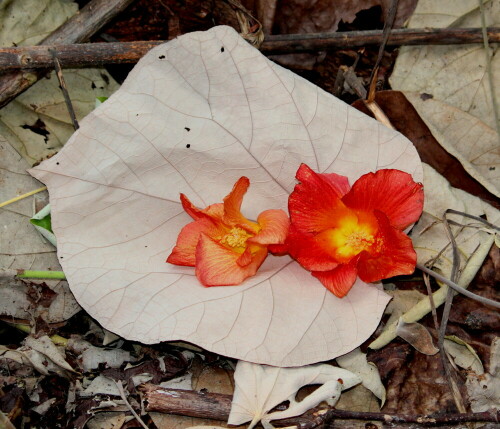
(236, 237)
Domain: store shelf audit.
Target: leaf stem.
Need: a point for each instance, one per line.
(21, 197)
(29, 274)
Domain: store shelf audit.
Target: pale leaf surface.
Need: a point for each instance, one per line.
(37, 122)
(465, 137)
(193, 116)
(429, 235)
(463, 354)
(456, 75)
(22, 247)
(356, 362)
(259, 388)
(484, 390)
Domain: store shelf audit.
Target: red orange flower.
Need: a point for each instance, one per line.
(338, 232)
(224, 246)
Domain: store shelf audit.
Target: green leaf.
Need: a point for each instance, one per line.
(45, 223)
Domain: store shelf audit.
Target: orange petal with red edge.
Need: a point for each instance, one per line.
(274, 224)
(340, 280)
(184, 252)
(216, 265)
(396, 257)
(315, 204)
(214, 211)
(308, 251)
(393, 192)
(232, 206)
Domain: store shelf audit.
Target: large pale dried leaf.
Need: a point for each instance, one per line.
(21, 246)
(454, 74)
(259, 388)
(27, 22)
(356, 362)
(465, 137)
(484, 390)
(461, 115)
(37, 122)
(194, 115)
(51, 300)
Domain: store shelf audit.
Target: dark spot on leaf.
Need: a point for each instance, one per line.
(93, 85)
(424, 96)
(161, 57)
(188, 145)
(222, 49)
(38, 128)
(187, 129)
(105, 78)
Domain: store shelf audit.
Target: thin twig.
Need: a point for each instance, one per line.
(64, 89)
(21, 197)
(86, 22)
(450, 377)
(458, 288)
(197, 404)
(95, 54)
(389, 22)
(127, 403)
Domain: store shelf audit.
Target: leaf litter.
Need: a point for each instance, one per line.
(98, 406)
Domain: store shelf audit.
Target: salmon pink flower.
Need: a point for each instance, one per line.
(339, 233)
(224, 246)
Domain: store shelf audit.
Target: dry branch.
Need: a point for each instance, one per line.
(94, 54)
(216, 406)
(77, 29)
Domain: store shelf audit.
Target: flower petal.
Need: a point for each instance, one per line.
(340, 280)
(274, 224)
(216, 265)
(397, 256)
(232, 207)
(393, 192)
(214, 211)
(184, 252)
(315, 203)
(338, 182)
(309, 252)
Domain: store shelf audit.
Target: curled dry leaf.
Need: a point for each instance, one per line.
(463, 354)
(484, 390)
(193, 116)
(418, 336)
(356, 362)
(42, 348)
(259, 388)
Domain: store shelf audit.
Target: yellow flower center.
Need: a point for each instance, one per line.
(354, 234)
(236, 238)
